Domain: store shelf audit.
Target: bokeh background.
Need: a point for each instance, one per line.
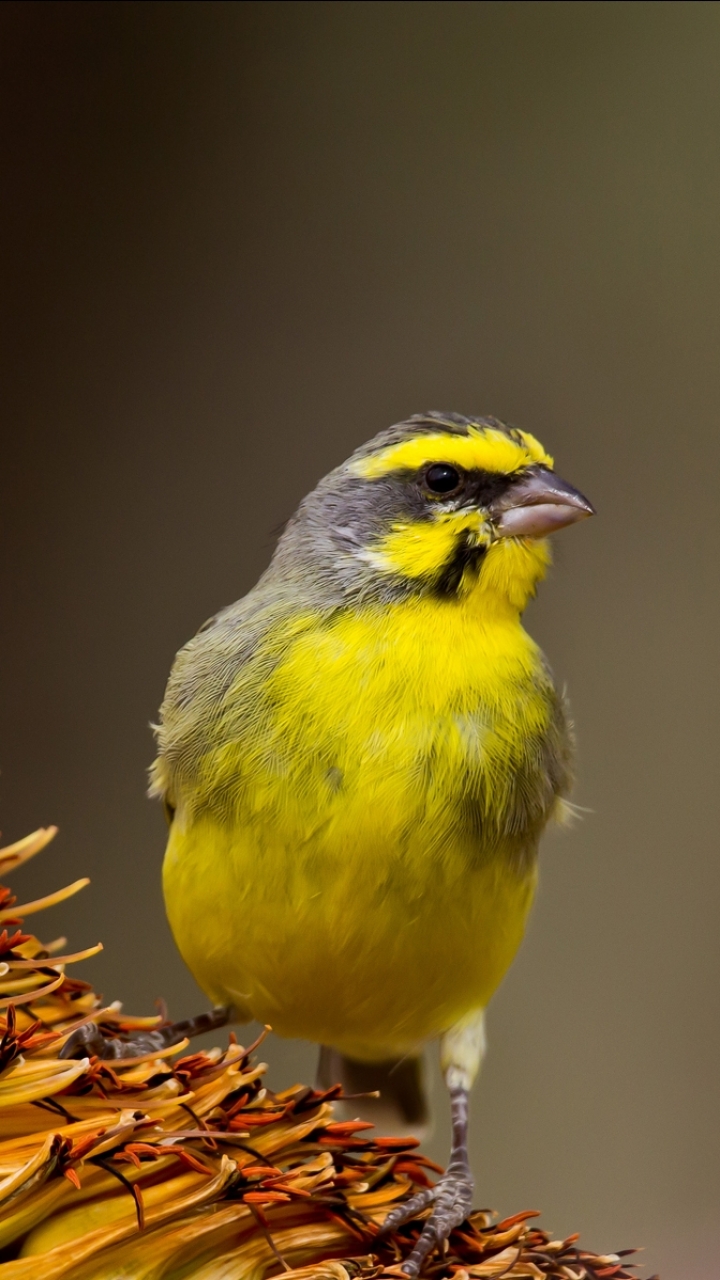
(238, 239)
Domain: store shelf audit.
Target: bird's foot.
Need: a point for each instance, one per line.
(451, 1198)
(89, 1039)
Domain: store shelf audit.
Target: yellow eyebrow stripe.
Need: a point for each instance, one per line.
(485, 449)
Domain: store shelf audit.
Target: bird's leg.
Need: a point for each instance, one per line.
(89, 1039)
(462, 1051)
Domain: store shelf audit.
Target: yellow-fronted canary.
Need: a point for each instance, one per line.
(359, 757)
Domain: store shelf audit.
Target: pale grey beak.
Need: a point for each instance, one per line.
(538, 504)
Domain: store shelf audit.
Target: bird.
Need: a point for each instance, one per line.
(358, 758)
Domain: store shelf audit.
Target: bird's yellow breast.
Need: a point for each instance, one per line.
(353, 861)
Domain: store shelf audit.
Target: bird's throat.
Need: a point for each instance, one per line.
(501, 582)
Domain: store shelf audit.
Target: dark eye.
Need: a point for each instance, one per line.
(443, 478)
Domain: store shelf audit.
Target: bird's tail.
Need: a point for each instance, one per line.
(402, 1107)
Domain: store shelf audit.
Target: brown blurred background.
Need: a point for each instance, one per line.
(237, 240)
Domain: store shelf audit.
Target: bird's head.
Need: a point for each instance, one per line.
(439, 505)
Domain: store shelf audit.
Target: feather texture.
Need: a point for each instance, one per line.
(361, 756)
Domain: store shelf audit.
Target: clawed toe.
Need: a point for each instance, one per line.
(452, 1199)
(89, 1040)
(404, 1212)
(451, 1196)
(84, 1041)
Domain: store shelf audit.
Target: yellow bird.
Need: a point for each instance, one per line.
(359, 757)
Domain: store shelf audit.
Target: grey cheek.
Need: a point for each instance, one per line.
(347, 536)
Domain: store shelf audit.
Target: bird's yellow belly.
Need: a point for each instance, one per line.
(355, 860)
(373, 954)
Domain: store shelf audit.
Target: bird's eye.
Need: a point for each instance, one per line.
(442, 478)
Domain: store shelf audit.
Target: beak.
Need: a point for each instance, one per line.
(538, 504)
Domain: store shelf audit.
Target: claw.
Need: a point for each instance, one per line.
(84, 1040)
(451, 1196)
(89, 1038)
(410, 1209)
(452, 1199)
